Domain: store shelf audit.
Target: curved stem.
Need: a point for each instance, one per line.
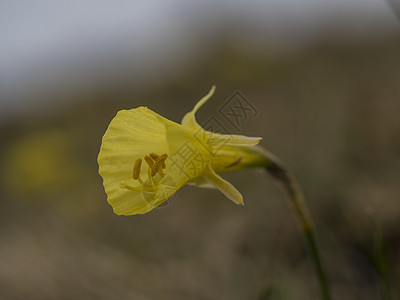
(296, 201)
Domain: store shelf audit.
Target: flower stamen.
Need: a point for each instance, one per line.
(149, 171)
(154, 156)
(129, 187)
(158, 165)
(149, 161)
(136, 169)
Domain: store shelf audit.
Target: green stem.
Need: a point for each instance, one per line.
(296, 201)
(317, 263)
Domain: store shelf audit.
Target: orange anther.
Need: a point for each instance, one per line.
(136, 168)
(158, 163)
(154, 156)
(149, 161)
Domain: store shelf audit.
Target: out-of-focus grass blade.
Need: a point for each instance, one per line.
(379, 259)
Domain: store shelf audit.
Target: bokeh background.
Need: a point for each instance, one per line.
(324, 78)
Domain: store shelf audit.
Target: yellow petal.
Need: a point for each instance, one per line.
(190, 119)
(224, 186)
(217, 141)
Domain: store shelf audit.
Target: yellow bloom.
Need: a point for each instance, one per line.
(145, 158)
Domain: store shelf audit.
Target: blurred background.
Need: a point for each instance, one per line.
(324, 81)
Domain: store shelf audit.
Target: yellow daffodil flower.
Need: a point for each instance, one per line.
(145, 158)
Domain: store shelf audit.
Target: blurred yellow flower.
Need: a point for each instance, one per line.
(41, 163)
(145, 158)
